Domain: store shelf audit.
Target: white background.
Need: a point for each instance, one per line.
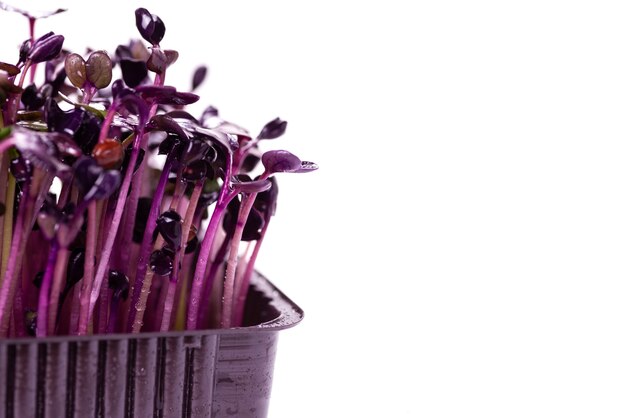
(461, 251)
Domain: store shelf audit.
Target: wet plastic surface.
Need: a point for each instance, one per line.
(210, 373)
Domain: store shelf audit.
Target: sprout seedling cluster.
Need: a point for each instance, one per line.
(120, 211)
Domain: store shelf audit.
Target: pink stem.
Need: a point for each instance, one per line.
(105, 256)
(242, 293)
(205, 250)
(141, 287)
(44, 292)
(171, 289)
(90, 260)
(233, 256)
(57, 283)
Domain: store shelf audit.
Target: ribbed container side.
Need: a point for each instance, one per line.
(212, 373)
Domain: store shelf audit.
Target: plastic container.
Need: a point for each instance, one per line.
(209, 373)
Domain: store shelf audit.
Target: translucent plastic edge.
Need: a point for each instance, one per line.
(290, 315)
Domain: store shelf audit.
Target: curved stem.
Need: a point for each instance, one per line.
(242, 292)
(141, 287)
(201, 264)
(205, 249)
(6, 144)
(106, 124)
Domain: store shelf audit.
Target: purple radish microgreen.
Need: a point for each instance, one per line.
(144, 191)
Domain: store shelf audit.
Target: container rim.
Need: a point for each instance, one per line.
(289, 315)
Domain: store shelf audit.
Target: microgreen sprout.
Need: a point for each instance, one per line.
(119, 210)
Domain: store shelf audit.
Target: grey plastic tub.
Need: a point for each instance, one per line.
(210, 373)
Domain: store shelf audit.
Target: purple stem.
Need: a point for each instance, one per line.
(57, 284)
(90, 260)
(205, 249)
(233, 256)
(103, 313)
(6, 290)
(141, 287)
(111, 323)
(214, 265)
(18, 313)
(105, 255)
(135, 193)
(44, 292)
(201, 264)
(31, 29)
(171, 289)
(242, 293)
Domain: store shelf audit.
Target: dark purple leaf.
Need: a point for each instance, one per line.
(25, 51)
(151, 91)
(266, 201)
(46, 47)
(137, 106)
(169, 145)
(32, 98)
(75, 267)
(227, 142)
(143, 211)
(197, 149)
(273, 129)
(167, 124)
(133, 72)
(38, 279)
(94, 181)
(181, 114)
(170, 226)
(180, 98)
(253, 226)
(162, 261)
(151, 27)
(99, 69)
(198, 76)
(242, 183)
(250, 161)
(192, 244)
(119, 283)
(117, 87)
(280, 161)
(40, 149)
(198, 170)
(166, 95)
(81, 125)
(49, 218)
(230, 217)
(20, 169)
(140, 156)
